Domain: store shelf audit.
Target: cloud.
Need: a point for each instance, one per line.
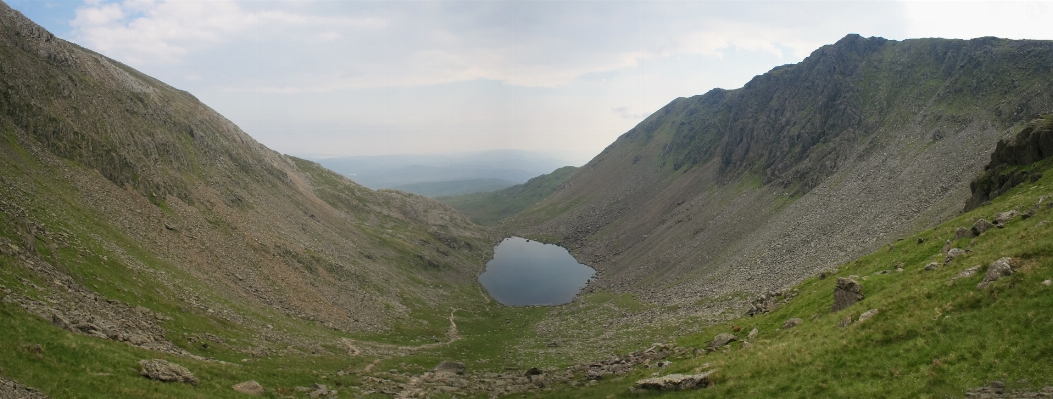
(624, 112)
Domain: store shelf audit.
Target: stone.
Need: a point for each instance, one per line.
(1044, 222)
(721, 340)
(921, 240)
(962, 232)
(250, 387)
(1005, 217)
(845, 322)
(953, 253)
(981, 226)
(794, 322)
(946, 247)
(997, 269)
(1047, 282)
(60, 321)
(868, 314)
(319, 391)
(1030, 212)
(846, 293)
(165, 371)
(448, 367)
(533, 371)
(966, 273)
(753, 334)
(674, 382)
(932, 266)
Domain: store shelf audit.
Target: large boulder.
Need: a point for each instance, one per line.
(165, 371)
(674, 382)
(981, 226)
(997, 269)
(448, 367)
(721, 340)
(846, 293)
(962, 232)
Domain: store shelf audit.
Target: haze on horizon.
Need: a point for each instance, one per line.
(329, 78)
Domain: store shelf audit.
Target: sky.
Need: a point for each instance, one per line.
(327, 78)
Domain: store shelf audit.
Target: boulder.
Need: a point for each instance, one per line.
(674, 382)
(868, 314)
(165, 371)
(981, 226)
(846, 292)
(721, 340)
(996, 270)
(249, 387)
(794, 322)
(753, 334)
(962, 232)
(932, 266)
(953, 253)
(448, 367)
(1005, 217)
(1047, 283)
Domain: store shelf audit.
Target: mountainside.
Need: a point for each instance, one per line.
(804, 167)
(489, 207)
(111, 174)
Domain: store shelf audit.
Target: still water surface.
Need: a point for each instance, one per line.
(525, 272)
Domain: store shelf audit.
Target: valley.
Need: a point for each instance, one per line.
(136, 223)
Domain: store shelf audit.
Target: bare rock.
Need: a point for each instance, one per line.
(250, 387)
(753, 334)
(981, 226)
(1047, 283)
(868, 314)
(674, 382)
(1005, 217)
(997, 269)
(721, 340)
(845, 322)
(846, 293)
(962, 232)
(932, 266)
(165, 371)
(14, 390)
(967, 273)
(953, 253)
(791, 323)
(448, 367)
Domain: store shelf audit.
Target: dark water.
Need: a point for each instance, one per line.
(531, 273)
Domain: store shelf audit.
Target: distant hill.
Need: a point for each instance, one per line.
(455, 187)
(488, 208)
(394, 171)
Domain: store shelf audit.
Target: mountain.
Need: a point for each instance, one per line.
(400, 170)
(803, 168)
(487, 208)
(455, 187)
(120, 187)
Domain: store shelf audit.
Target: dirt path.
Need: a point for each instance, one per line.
(451, 337)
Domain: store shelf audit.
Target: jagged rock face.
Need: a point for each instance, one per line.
(1032, 144)
(196, 193)
(803, 168)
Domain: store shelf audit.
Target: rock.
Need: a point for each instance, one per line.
(448, 367)
(846, 293)
(674, 382)
(594, 374)
(319, 391)
(868, 314)
(746, 344)
(981, 226)
(14, 390)
(794, 322)
(533, 371)
(753, 334)
(60, 321)
(1005, 217)
(165, 371)
(1047, 283)
(721, 340)
(845, 322)
(249, 387)
(1044, 222)
(932, 266)
(1030, 212)
(946, 247)
(966, 273)
(962, 232)
(921, 240)
(996, 270)
(953, 253)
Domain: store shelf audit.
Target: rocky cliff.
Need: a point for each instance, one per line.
(804, 167)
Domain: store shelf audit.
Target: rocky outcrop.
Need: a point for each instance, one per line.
(165, 371)
(721, 340)
(846, 293)
(10, 389)
(1011, 159)
(674, 382)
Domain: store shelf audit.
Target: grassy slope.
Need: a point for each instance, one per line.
(455, 187)
(932, 337)
(487, 208)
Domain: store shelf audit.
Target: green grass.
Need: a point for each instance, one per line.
(488, 208)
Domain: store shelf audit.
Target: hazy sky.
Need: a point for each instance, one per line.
(326, 78)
